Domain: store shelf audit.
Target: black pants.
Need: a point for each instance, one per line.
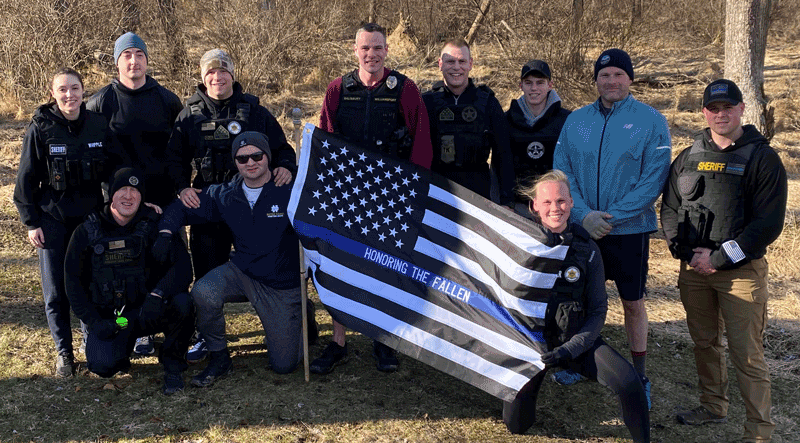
(600, 363)
(106, 357)
(211, 246)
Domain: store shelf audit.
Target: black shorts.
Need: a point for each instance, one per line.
(625, 262)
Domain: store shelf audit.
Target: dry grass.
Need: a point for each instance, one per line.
(416, 404)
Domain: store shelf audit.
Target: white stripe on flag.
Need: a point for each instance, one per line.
(512, 234)
(423, 339)
(430, 310)
(511, 268)
(469, 267)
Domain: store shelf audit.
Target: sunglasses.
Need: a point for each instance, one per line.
(243, 159)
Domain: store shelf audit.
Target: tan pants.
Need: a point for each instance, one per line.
(737, 299)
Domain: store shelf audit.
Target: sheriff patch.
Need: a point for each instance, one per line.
(572, 274)
(58, 149)
(234, 127)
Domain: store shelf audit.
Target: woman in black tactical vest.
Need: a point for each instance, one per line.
(575, 315)
(65, 158)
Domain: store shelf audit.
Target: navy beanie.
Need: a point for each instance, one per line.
(616, 58)
(126, 41)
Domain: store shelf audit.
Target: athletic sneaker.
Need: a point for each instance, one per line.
(698, 416)
(333, 355)
(219, 365)
(173, 382)
(65, 365)
(385, 356)
(198, 352)
(144, 346)
(647, 385)
(567, 377)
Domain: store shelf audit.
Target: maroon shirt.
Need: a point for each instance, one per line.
(411, 106)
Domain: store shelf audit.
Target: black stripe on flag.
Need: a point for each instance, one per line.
(422, 264)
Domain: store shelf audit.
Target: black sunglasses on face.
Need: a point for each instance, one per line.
(243, 159)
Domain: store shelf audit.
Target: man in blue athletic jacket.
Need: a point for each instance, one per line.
(616, 153)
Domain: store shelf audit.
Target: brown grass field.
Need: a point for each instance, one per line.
(356, 403)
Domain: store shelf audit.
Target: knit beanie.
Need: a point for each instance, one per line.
(126, 177)
(253, 138)
(216, 58)
(126, 41)
(616, 58)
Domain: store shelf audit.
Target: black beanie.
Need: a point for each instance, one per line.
(616, 58)
(126, 177)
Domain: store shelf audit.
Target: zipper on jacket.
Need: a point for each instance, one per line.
(367, 131)
(600, 150)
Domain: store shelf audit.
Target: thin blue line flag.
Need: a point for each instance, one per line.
(422, 264)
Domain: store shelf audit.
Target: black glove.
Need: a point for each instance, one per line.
(555, 357)
(162, 246)
(150, 312)
(104, 329)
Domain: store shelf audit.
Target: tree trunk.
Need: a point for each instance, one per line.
(178, 58)
(746, 23)
(371, 18)
(473, 30)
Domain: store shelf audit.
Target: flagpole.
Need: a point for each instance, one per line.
(297, 114)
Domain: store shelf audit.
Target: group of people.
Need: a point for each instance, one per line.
(587, 178)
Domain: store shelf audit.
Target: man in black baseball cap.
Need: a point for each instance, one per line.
(535, 119)
(724, 203)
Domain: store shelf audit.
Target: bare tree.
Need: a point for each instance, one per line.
(482, 10)
(746, 23)
(177, 58)
(129, 22)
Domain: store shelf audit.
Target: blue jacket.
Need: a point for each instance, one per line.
(267, 249)
(616, 163)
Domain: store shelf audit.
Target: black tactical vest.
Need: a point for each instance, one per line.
(461, 138)
(372, 117)
(566, 309)
(119, 272)
(75, 162)
(712, 199)
(213, 138)
(532, 148)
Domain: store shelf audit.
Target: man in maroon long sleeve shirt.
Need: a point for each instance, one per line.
(382, 110)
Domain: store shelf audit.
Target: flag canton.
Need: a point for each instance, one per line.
(358, 194)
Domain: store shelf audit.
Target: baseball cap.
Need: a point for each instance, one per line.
(722, 90)
(535, 66)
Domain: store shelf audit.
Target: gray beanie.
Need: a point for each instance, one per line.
(127, 41)
(253, 138)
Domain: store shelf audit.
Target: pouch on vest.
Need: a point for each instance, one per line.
(58, 174)
(691, 186)
(694, 225)
(448, 149)
(563, 319)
